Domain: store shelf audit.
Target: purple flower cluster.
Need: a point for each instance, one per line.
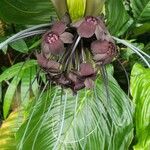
(71, 53)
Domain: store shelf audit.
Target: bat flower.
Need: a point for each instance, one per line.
(53, 40)
(47, 64)
(87, 73)
(89, 26)
(103, 51)
(76, 83)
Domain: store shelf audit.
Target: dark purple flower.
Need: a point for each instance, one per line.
(86, 69)
(53, 40)
(89, 83)
(47, 64)
(87, 73)
(89, 26)
(103, 51)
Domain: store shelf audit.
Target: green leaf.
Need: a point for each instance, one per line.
(20, 46)
(16, 72)
(26, 11)
(84, 121)
(141, 10)
(16, 69)
(143, 29)
(117, 18)
(9, 95)
(140, 90)
(8, 130)
(29, 86)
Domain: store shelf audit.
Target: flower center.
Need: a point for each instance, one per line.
(91, 20)
(52, 37)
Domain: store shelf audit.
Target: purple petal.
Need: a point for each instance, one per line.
(45, 48)
(86, 29)
(89, 83)
(56, 48)
(79, 86)
(86, 69)
(42, 61)
(103, 51)
(59, 27)
(99, 57)
(51, 64)
(100, 47)
(99, 33)
(72, 77)
(66, 37)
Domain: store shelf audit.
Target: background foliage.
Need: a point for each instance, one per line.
(37, 115)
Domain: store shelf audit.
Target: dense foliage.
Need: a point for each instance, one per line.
(36, 114)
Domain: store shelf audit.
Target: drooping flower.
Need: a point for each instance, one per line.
(89, 26)
(70, 69)
(103, 51)
(87, 74)
(53, 40)
(47, 64)
(86, 69)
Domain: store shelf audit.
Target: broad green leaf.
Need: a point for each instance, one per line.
(85, 121)
(16, 72)
(9, 95)
(15, 69)
(117, 18)
(28, 85)
(140, 90)
(8, 130)
(20, 46)
(76, 8)
(143, 29)
(26, 11)
(141, 10)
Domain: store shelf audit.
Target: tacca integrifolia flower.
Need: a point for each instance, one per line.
(71, 55)
(89, 26)
(54, 39)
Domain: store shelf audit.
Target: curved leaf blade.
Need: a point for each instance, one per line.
(140, 90)
(87, 123)
(141, 10)
(8, 130)
(26, 12)
(15, 69)
(117, 18)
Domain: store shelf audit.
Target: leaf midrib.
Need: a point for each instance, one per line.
(140, 14)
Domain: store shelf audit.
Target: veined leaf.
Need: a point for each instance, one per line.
(20, 46)
(117, 18)
(16, 72)
(8, 130)
(16, 69)
(29, 85)
(84, 121)
(9, 95)
(141, 10)
(26, 11)
(140, 90)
